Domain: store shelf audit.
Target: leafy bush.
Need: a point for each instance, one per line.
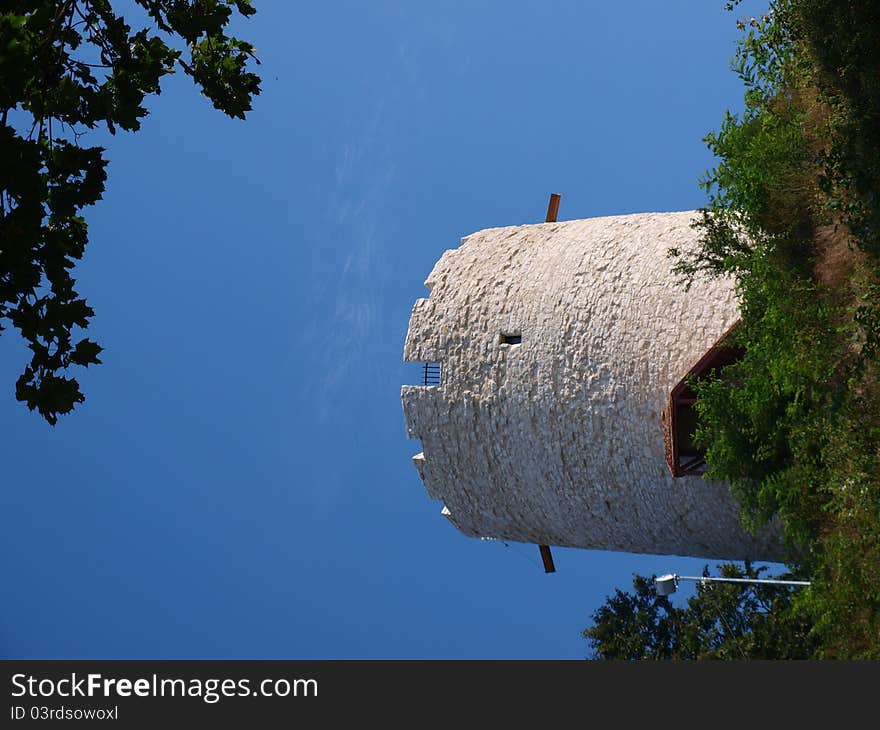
(794, 426)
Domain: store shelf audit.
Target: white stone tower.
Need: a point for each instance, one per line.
(562, 350)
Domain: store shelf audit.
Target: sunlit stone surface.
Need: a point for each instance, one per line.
(558, 439)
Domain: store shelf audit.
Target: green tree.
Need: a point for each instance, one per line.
(68, 66)
(722, 621)
(765, 421)
(794, 218)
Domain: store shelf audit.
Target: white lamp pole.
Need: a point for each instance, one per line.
(667, 584)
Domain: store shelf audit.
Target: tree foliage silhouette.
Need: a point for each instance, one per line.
(68, 66)
(721, 621)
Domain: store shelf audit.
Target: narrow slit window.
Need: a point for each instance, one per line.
(511, 339)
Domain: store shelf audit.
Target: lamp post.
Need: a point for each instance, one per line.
(668, 583)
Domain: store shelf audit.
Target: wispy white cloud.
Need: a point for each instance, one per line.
(349, 291)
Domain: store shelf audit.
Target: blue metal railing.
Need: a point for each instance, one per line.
(431, 373)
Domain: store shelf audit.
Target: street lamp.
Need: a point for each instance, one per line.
(667, 584)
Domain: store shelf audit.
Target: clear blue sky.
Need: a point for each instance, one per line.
(238, 482)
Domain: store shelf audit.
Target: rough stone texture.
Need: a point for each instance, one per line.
(558, 440)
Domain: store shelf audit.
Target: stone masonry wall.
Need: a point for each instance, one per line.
(558, 440)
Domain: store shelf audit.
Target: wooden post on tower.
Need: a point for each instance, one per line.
(553, 208)
(547, 557)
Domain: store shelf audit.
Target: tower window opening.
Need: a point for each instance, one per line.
(690, 457)
(680, 420)
(511, 339)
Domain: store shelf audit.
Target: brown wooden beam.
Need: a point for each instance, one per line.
(553, 208)
(547, 557)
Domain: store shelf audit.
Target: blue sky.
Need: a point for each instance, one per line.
(238, 482)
